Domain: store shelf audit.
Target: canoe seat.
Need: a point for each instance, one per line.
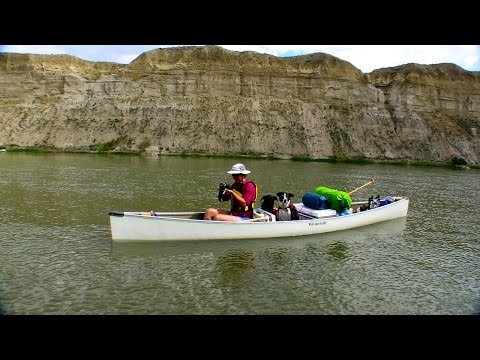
(262, 215)
(259, 219)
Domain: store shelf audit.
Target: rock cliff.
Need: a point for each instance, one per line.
(212, 100)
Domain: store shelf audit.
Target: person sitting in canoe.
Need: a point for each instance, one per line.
(241, 192)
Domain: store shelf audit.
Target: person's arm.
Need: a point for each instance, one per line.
(249, 193)
(237, 196)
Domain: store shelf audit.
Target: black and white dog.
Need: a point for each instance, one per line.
(287, 211)
(268, 203)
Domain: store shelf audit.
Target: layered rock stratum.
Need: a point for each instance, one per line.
(215, 101)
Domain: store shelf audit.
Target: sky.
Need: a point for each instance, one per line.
(366, 58)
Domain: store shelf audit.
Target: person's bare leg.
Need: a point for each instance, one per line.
(225, 217)
(220, 215)
(212, 213)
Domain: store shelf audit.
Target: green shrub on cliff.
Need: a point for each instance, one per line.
(458, 161)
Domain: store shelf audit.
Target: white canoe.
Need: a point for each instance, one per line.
(172, 226)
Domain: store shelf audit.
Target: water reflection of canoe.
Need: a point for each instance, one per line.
(172, 226)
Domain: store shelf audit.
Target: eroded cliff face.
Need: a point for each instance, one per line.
(211, 100)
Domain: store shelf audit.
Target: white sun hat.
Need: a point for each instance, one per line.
(238, 169)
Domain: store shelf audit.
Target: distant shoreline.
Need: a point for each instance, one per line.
(456, 163)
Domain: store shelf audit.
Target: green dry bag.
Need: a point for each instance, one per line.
(339, 200)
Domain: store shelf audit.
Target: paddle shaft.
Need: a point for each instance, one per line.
(361, 187)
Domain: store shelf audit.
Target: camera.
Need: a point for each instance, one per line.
(222, 194)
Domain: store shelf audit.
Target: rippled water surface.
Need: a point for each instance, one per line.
(57, 257)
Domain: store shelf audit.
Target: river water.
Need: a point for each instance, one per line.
(57, 257)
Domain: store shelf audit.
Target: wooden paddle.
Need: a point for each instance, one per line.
(361, 187)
